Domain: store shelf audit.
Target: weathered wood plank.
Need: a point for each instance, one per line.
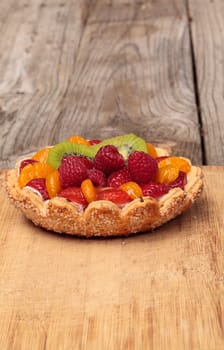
(39, 44)
(162, 290)
(132, 73)
(208, 41)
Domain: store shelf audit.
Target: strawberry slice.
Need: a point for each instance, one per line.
(74, 194)
(25, 162)
(94, 142)
(114, 195)
(154, 189)
(40, 186)
(180, 181)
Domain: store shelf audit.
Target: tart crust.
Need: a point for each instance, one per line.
(103, 218)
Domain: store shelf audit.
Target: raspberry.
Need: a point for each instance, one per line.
(97, 177)
(40, 186)
(26, 162)
(180, 181)
(72, 171)
(118, 178)
(142, 167)
(74, 194)
(108, 159)
(114, 195)
(154, 189)
(86, 161)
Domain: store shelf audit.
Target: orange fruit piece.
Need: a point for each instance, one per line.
(88, 190)
(181, 163)
(151, 150)
(79, 140)
(53, 183)
(132, 189)
(42, 155)
(34, 171)
(167, 174)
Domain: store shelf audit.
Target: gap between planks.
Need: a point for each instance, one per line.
(195, 85)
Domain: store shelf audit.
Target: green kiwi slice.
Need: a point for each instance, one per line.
(66, 148)
(125, 144)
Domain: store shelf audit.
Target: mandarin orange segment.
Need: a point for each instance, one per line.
(34, 171)
(132, 189)
(79, 140)
(181, 163)
(167, 174)
(26, 175)
(88, 190)
(42, 155)
(151, 150)
(53, 183)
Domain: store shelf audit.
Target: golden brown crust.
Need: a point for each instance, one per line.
(103, 218)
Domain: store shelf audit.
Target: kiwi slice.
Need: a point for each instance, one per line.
(66, 148)
(125, 144)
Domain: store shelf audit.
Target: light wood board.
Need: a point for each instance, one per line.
(208, 42)
(159, 290)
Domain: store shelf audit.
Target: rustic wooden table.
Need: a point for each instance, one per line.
(100, 68)
(158, 290)
(105, 67)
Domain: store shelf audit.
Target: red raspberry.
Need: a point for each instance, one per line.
(154, 189)
(108, 159)
(40, 186)
(26, 162)
(180, 181)
(97, 177)
(118, 178)
(86, 161)
(142, 167)
(114, 195)
(74, 194)
(72, 171)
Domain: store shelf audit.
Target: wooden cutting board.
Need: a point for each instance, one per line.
(159, 290)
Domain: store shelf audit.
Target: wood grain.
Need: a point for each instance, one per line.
(39, 45)
(163, 290)
(96, 68)
(208, 40)
(134, 70)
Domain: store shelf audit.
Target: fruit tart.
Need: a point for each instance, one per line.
(115, 187)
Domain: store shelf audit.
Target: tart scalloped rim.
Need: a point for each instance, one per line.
(104, 218)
